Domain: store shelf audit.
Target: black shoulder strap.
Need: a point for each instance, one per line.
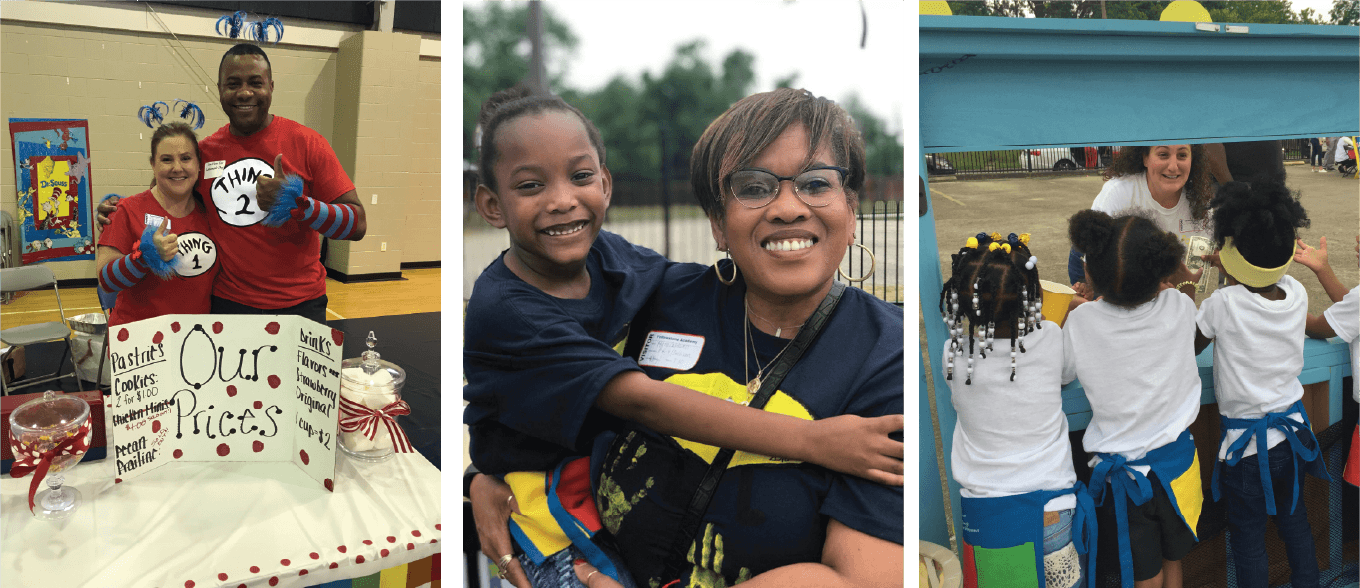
(703, 494)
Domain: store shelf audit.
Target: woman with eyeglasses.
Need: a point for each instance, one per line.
(778, 176)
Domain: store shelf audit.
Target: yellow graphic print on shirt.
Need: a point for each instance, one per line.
(708, 565)
(719, 385)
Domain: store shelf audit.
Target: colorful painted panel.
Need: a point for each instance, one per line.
(52, 179)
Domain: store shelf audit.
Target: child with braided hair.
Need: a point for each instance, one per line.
(1257, 324)
(1011, 454)
(1134, 351)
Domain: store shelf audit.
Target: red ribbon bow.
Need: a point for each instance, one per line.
(28, 459)
(357, 417)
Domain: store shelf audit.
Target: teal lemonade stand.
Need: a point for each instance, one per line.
(992, 83)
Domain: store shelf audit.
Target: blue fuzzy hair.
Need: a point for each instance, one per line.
(282, 210)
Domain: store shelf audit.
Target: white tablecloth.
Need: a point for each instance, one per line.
(192, 524)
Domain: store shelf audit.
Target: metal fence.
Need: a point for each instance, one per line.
(1051, 160)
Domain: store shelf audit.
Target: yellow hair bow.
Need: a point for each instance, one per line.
(994, 246)
(972, 243)
(1024, 239)
(996, 236)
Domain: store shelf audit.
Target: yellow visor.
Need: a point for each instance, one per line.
(1243, 271)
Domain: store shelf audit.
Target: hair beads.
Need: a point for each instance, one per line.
(1004, 290)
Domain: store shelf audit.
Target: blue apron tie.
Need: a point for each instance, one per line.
(1084, 531)
(1257, 428)
(579, 535)
(1126, 482)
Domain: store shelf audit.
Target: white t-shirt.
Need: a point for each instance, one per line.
(1138, 369)
(1011, 437)
(1344, 317)
(1341, 149)
(1128, 193)
(1258, 354)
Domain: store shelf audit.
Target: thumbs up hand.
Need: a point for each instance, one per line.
(167, 243)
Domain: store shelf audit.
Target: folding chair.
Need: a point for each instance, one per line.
(37, 277)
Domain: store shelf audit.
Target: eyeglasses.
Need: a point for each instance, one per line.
(816, 187)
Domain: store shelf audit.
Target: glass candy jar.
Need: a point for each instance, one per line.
(370, 399)
(49, 435)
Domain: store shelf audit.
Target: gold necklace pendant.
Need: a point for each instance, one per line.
(752, 388)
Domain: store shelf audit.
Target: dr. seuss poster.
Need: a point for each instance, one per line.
(52, 178)
(208, 388)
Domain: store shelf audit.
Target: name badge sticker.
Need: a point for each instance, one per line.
(214, 169)
(155, 221)
(674, 351)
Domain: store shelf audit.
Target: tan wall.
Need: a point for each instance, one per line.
(52, 70)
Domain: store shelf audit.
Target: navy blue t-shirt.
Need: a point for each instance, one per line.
(535, 363)
(765, 513)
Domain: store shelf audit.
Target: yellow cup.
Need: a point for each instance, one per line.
(1056, 299)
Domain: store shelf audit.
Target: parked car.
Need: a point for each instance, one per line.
(937, 164)
(1059, 158)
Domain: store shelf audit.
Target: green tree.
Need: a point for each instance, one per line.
(1274, 12)
(496, 55)
(883, 151)
(1345, 12)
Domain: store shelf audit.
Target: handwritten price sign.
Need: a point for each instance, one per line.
(225, 388)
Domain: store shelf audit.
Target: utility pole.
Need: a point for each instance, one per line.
(537, 80)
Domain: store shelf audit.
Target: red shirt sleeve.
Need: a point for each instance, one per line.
(329, 180)
(124, 228)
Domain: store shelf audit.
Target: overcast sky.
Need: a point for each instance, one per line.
(818, 39)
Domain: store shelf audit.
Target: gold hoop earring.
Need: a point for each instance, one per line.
(873, 263)
(718, 270)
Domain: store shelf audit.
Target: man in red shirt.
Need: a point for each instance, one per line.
(268, 270)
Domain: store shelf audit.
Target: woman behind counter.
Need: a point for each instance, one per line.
(157, 252)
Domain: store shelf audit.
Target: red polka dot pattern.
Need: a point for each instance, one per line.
(222, 576)
(416, 532)
(342, 549)
(274, 381)
(383, 553)
(217, 328)
(272, 328)
(223, 450)
(410, 546)
(187, 583)
(285, 562)
(123, 336)
(179, 453)
(359, 559)
(338, 337)
(302, 572)
(174, 327)
(367, 542)
(438, 527)
(155, 426)
(391, 539)
(254, 569)
(334, 565)
(274, 581)
(258, 405)
(117, 480)
(330, 486)
(258, 446)
(316, 555)
(158, 337)
(231, 391)
(302, 453)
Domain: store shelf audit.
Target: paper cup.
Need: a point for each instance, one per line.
(1056, 299)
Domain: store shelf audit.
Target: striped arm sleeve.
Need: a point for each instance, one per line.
(335, 221)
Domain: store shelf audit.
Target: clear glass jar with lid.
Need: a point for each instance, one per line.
(370, 398)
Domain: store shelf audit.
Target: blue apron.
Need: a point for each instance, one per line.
(1009, 521)
(1257, 428)
(1170, 462)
